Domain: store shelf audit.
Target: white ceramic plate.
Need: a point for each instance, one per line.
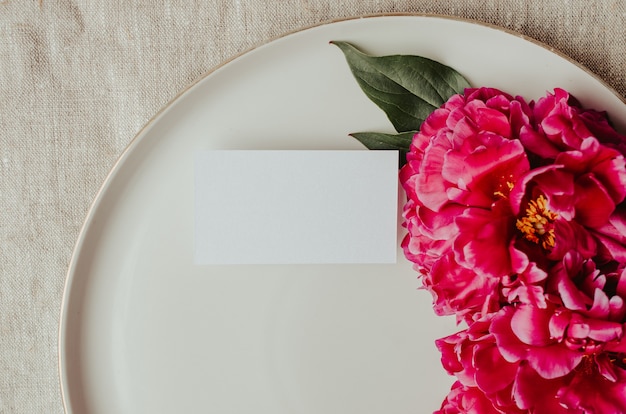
(143, 330)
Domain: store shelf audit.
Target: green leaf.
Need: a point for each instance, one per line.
(380, 141)
(408, 88)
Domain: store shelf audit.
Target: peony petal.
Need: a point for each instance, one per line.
(483, 240)
(488, 379)
(617, 309)
(537, 394)
(593, 205)
(530, 325)
(609, 248)
(618, 220)
(554, 361)
(604, 331)
(460, 290)
(612, 236)
(535, 142)
(449, 358)
(492, 120)
(601, 307)
(578, 330)
(609, 168)
(430, 187)
(618, 346)
(558, 325)
(482, 171)
(550, 181)
(558, 128)
(595, 394)
(606, 367)
(562, 275)
(509, 345)
(439, 225)
(571, 236)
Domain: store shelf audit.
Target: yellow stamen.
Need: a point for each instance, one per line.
(504, 190)
(536, 226)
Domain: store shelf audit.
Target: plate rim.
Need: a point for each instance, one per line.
(70, 275)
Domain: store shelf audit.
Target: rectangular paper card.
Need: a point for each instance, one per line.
(296, 207)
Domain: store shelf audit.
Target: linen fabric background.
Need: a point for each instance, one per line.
(78, 79)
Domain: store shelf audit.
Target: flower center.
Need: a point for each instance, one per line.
(504, 186)
(537, 226)
(503, 190)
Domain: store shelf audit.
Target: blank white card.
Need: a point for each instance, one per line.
(296, 207)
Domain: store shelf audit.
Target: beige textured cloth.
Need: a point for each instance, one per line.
(78, 79)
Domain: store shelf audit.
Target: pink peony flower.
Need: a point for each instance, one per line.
(557, 351)
(548, 367)
(543, 201)
(516, 219)
(516, 224)
(467, 151)
(465, 158)
(588, 179)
